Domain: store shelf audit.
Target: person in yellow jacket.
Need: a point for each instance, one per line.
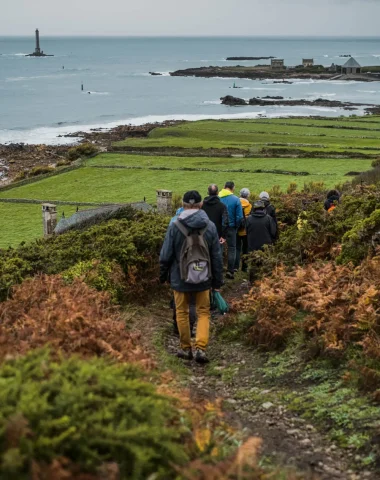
(241, 238)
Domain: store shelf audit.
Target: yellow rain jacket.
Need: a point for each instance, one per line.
(247, 207)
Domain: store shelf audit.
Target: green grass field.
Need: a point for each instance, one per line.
(22, 222)
(135, 176)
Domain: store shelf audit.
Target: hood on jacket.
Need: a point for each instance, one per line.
(258, 213)
(244, 202)
(225, 193)
(211, 200)
(194, 218)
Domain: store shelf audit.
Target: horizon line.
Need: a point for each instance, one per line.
(187, 36)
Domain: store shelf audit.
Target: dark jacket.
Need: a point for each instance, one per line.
(171, 250)
(271, 211)
(329, 202)
(217, 212)
(261, 230)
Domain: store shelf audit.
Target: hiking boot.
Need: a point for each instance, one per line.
(230, 275)
(200, 356)
(185, 354)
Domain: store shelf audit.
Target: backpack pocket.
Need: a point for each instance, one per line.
(197, 272)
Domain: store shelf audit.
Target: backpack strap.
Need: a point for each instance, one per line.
(181, 227)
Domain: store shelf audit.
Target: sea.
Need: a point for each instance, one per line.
(41, 99)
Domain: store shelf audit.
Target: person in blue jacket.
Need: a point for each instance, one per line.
(235, 215)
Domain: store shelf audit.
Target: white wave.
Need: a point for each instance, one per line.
(326, 56)
(317, 94)
(367, 91)
(262, 88)
(98, 93)
(49, 135)
(21, 79)
(211, 102)
(13, 54)
(377, 56)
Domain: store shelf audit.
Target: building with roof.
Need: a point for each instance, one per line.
(308, 62)
(351, 66)
(277, 63)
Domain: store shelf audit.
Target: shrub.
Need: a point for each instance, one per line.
(83, 150)
(357, 241)
(375, 163)
(71, 318)
(21, 176)
(81, 416)
(132, 243)
(104, 276)
(292, 188)
(40, 170)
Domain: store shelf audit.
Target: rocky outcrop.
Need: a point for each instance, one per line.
(155, 74)
(270, 101)
(233, 101)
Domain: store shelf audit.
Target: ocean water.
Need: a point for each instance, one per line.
(39, 99)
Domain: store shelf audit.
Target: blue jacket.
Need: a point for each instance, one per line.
(171, 252)
(233, 204)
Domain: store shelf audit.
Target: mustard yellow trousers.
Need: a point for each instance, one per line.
(202, 300)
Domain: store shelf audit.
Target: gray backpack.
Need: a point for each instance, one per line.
(195, 264)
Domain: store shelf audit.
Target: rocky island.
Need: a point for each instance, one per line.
(262, 72)
(231, 101)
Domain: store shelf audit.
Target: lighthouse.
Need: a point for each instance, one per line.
(37, 51)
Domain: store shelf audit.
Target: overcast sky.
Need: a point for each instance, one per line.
(191, 17)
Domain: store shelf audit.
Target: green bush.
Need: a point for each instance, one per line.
(35, 171)
(133, 243)
(83, 150)
(104, 276)
(357, 241)
(376, 163)
(88, 412)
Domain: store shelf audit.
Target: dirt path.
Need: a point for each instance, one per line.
(233, 375)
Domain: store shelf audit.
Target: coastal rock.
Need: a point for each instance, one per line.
(155, 74)
(233, 101)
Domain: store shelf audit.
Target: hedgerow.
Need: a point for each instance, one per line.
(71, 416)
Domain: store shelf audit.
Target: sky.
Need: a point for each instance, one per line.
(195, 17)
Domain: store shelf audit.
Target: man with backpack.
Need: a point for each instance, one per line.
(241, 239)
(269, 208)
(191, 255)
(235, 216)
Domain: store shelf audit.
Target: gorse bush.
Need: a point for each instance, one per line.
(83, 150)
(133, 244)
(81, 416)
(105, 276)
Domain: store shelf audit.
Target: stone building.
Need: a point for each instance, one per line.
(308, 62)
(277, 63)
(351, 66)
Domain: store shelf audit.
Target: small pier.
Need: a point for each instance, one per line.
(37, 51)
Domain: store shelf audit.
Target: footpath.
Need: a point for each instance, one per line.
(235, 376)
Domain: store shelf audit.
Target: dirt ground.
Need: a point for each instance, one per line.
(233, 375)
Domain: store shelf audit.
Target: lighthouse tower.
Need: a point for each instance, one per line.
(37, 51)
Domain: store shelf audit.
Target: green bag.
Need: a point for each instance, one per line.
(219, 303)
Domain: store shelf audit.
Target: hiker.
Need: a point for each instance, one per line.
(261, 228)
(241, 239)
(192, 303)
(235, 218)
(192, 255)
(332, 200)
(269, 208)
(217, 212)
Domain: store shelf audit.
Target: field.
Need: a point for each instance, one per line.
(193, 155)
